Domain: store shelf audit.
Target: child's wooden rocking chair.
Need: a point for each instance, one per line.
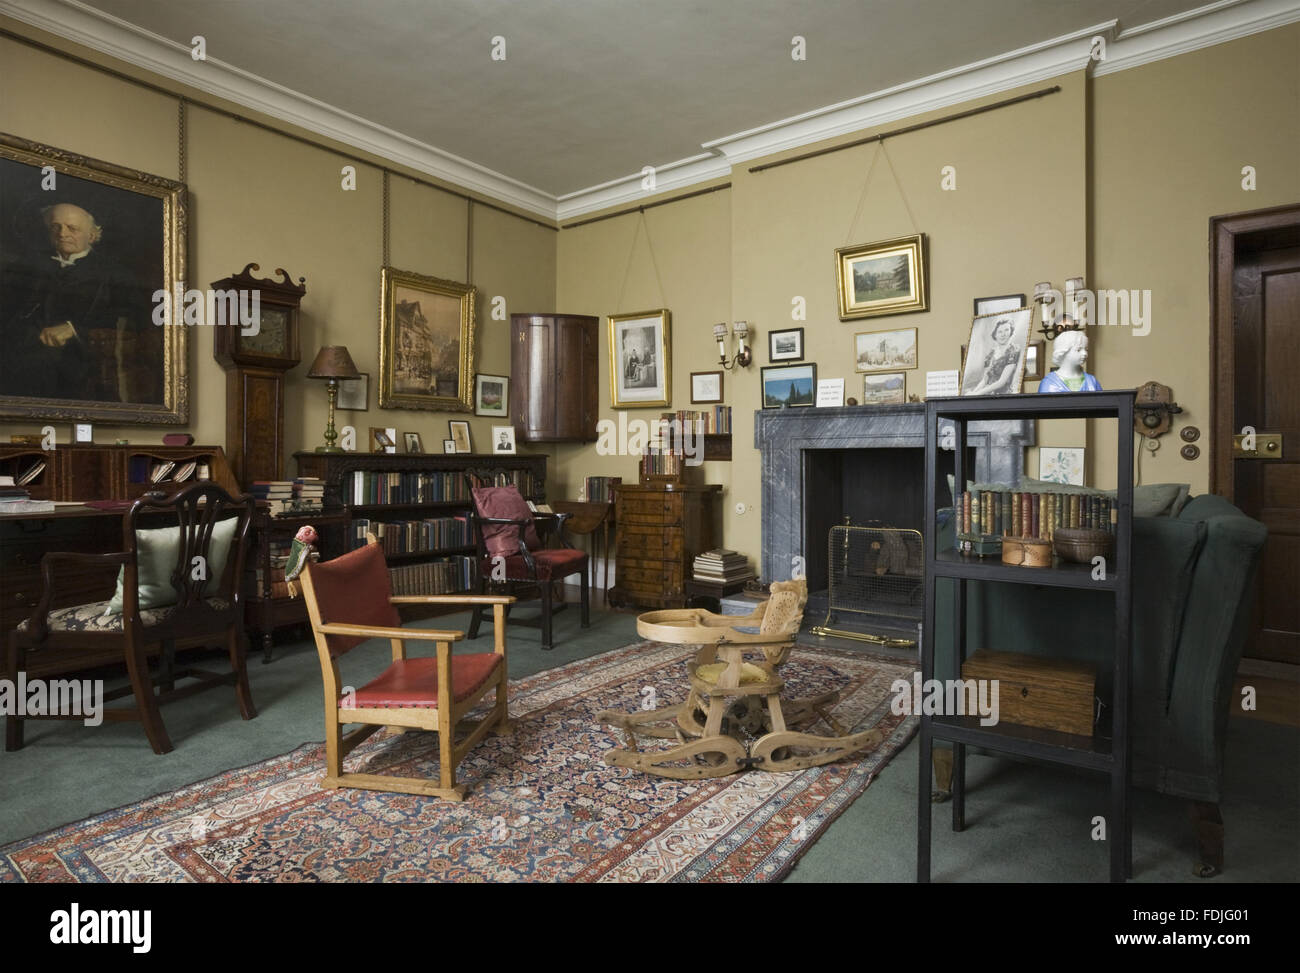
(734, 719)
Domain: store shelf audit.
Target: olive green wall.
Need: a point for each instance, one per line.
(256, 195)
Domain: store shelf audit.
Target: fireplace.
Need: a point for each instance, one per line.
(866, 463)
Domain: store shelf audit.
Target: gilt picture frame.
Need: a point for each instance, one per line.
(887, 277)
(426, 342)
(640, 359)
(119, 238)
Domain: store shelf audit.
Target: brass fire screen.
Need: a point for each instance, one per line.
(874, 572)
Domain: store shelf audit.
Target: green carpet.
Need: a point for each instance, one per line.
(1024, 822)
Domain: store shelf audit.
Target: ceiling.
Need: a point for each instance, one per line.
(591, 91)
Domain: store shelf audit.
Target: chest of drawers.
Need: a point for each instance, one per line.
(661, 528)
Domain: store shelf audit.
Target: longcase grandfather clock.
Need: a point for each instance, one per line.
(256, 360)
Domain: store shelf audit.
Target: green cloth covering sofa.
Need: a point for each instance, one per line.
(1192, 596)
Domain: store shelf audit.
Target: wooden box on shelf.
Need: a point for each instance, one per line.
(1054, 694)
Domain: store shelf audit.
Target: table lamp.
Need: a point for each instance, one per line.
(333, 363)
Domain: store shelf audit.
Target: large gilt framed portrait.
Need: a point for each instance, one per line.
(87, 251)
(889, 277)
(640, 359)
(426, 343)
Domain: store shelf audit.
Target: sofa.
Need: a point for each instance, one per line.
(1193, 594)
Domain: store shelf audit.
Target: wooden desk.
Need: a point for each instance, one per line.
(588, 517)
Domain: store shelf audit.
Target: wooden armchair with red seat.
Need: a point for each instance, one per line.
(349, 601)
(511, 554)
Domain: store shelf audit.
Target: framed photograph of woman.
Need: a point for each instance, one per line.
(640, 357)
(995, 359)
(789, 385)
(889, 277)
(92, 318)
(785, 345)
(426, 343)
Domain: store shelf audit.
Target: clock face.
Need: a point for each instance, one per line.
(272, 336)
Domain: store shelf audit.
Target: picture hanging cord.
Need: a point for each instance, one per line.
(385, 204)
(180, 139)
(640, 224)
(862, 197)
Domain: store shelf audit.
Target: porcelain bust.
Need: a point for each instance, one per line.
(1069, 355)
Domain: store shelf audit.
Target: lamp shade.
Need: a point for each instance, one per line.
(333, 361)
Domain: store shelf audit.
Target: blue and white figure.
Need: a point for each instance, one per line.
(1070, 355)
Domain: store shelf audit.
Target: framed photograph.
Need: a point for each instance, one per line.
(449, 445)
(491, 395)
(789, 385)
(995, 361)
(503, 439)
(459, 431)
(426, 343)
(994, 305)
(885, 351)
(1035, 355)
(383, 440)
(412, 442)
(706, 387)
(884, 388)
(83, 432)
(785, 345)
(1059, 464)
(354, 393)
(640, 358)
(889, 277)
(85, 247)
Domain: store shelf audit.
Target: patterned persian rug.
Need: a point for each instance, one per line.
(543, 807)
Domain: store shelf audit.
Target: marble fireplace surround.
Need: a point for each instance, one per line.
(782, 435)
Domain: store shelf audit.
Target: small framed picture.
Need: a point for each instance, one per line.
(83, 432)
(888, 277)
(1003, 302)
(449, 445)
(785, 345)
(884, 388)
(995, 362)
(706, 387)
(1035, 355)
(383, 440)
(354, 393)
(412, 442)
(458, 429)
(503, 439)
(789, 385)
(491, 396)
(885, 351)
(1061, 464)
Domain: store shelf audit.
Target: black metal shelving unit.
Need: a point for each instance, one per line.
(1107, 755)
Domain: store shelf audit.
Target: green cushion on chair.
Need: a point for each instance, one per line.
(156, 553)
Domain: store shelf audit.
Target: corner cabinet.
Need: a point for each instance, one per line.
(554, 377)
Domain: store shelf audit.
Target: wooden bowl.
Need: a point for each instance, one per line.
(1026, 552)
(1082, 544)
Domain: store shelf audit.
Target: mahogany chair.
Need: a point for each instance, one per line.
(512, 555)
(167, 597)
(349, 601)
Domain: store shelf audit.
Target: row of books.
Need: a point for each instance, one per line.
(722, 565)
(659, 461)
(441, 577)
(710, 421)
(600, 489)
(30, 474)
(372, 487)
(413, 536)
(1006, 513)
(147, 469)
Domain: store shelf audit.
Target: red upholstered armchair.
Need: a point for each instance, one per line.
(511, 555)
(350, 600)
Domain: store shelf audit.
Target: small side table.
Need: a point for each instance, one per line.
(595, 519)
(709, 594)
(264, 613)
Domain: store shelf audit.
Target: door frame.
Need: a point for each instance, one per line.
(1224, 231)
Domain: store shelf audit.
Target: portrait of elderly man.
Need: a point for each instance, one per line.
(75, 325)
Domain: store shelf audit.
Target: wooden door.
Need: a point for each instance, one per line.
(1258, 358)
(575, 377)
(532, 376)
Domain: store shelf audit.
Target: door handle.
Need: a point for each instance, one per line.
(1268, 445)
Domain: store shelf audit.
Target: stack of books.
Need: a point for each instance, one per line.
(17, 500)
(309, 489)
(722, 566)
(600, 489)
(272, 489)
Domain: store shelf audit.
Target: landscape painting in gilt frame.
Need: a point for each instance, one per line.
(889, 277)
(87, 248)
(426, 343)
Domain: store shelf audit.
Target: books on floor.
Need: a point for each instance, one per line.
(722, 565)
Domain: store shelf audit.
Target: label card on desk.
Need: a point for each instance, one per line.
(830, 393)
(942, 383)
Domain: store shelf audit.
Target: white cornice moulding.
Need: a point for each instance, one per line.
(1206, 26)
(117, 38)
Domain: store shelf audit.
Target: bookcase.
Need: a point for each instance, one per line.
(418, 506)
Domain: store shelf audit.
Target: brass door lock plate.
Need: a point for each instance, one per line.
(1268, 445)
